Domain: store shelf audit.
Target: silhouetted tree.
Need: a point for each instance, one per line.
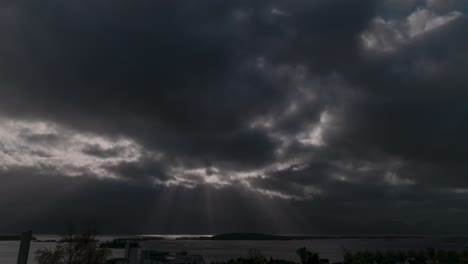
(308, 257)
(302, 253)
(256, 256)
(74, 248)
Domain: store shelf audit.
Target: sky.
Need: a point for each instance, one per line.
(208, 116)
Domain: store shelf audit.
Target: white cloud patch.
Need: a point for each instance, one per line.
(387, 35)
(315, 136)
(277, 194)
(460, 190)
(277, 12)
(382, 36)
(425, 20)
(47, 145)
(212, 176)
(393, 179)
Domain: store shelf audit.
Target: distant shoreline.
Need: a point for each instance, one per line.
(12, 238)
(259, 236)
(273, 237)
(238, 236)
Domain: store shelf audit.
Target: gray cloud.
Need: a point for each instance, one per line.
(293, 107)
(99, 151)
(143, 168)
(113, 204)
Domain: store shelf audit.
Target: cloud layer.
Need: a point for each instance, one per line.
(297, 115)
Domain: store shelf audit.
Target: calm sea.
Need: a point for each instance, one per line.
(223, 250)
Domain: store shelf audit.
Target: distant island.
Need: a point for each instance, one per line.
(121, 242)
(260, 236)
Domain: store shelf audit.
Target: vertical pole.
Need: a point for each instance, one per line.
(127, 249)
(24, 247)
(133, 255)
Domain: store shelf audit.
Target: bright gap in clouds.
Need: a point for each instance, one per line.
(45, 145)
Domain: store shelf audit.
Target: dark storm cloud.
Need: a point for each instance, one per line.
(414, 100)
(373, 132)
(113, 205)
(145, 168)
(98, 151)
(332, 177)
(122, 207)
(411, 105)
(386, 205)
(47, 138)
(178, 75)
